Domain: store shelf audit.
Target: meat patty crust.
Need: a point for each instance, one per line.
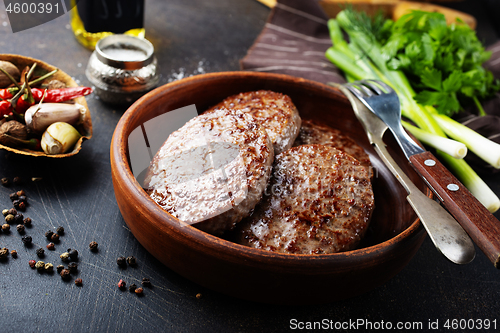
(274, 111)
(212, 171)
(320, 200)
(312, 132)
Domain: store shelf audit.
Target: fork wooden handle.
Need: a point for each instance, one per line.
(480, 224)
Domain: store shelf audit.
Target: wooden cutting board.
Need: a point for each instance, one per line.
(391, 8)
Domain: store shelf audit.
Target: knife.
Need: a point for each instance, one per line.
(444, 231)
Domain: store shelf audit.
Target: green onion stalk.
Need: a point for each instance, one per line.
(362, 58)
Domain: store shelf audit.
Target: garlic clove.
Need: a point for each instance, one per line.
(40, 116)
(58, 138)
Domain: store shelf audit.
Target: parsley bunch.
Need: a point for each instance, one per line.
(443, 62)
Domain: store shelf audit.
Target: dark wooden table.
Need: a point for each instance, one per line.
(190, 37)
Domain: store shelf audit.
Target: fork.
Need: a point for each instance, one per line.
(480, 224)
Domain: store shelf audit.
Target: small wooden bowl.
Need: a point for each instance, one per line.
(85, 128)
(394, 236)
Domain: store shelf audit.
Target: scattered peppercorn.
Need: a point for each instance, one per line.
(79, 282)
(13, 196)
(49, 234)
(73, 254)
(121, 261)
(51, 246)
(5, 212)
(23, 198)
(13, 211)
(40, 265)
(5, 182)
(122, 284)
(73, 267)
(17, 180)
(20, 228)
(131, 261)
(139, 291)
(32, 263)
(27, 240)
(49, 267)
(27, 222)
(40, 252)
(9, 218)
(199, 295)
(6, 227)
(54, 238)
(146, 282)
(4, 252)
(21, 193)
(65, 274)
(132, 287)
(60, 230)
(18, 218)
(93, 246)
(59, 268)
(64, 256)
(13, 253)
(18, 204)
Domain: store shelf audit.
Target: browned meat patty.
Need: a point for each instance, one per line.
(212, 172)
(312, 132)
(275, 112)
(320, 200)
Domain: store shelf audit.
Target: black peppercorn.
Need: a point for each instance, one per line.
(17, 180)
(54, 238)
(93, 246)
(13, 196)
(13, 211)
(121, 261)
(5, 182)
(20, 228)
(131, 261)
(60, 230)
(65, 274)
(51, 246)
(132, 287)
(73, 267)
(23, 198)
(40, 252)
(27, 240)
(73, 254)
(16, 204)
(27, 222)
(49, 234)
(19, 218)
(146, 282)
(59, 268)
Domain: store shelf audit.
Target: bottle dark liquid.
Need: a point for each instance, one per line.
(92, 20)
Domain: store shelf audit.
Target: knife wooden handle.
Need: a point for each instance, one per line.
(480, 224)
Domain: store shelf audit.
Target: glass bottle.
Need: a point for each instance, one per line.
(92, 20)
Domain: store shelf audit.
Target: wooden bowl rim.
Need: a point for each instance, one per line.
(61, 75)
(229, 250)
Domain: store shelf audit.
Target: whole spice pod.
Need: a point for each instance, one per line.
(13, 134)
(59, 138)
(8, 69)
(39, 117)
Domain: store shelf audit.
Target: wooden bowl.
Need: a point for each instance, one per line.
(85, 128)
(394, 236)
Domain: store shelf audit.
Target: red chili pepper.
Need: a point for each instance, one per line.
(7, 93)
(59, 95)
(5, 108)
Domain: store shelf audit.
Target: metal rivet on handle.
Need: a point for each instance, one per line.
(430, 162)
(453, 187)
